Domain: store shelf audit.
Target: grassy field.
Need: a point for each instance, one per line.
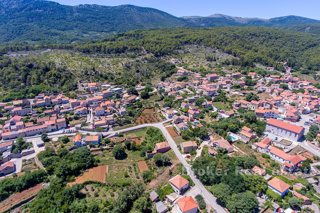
(137, 133)
(222, 106)
(122, 172)
(29, 165)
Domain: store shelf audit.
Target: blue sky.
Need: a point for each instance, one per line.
(243, 8)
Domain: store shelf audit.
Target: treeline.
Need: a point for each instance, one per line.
(28, 76)
(58, 198)
(250, 44)
(66, 165)
(233, 190)
(23, 77)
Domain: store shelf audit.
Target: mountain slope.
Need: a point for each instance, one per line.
(224, 20)
(41, 21)
(36, 20)
(142, 56)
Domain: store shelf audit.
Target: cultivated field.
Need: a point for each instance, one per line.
(96, 174)
(148, 116)
(19, 198)
(172, 132)
(142, 165)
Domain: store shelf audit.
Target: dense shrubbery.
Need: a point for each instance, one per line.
(250, 44)
(66, 164)
(20, 145)
(233, 189)
(9, 186)
(153, 136)
(58, 198)
(27, 76)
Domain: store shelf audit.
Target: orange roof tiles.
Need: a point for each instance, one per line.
(285, 125)
(258, 170)
(6, 165)
(278, 184)
(296, 159)
(162, 145)
(90, 138)
(179, 182)
(77, 138)
(6, 144)
(187, 203)
(280, 153)
(264, 143)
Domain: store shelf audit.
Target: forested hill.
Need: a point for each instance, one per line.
(144, 56)
(219, 20)
(250, 44)
(50, 22)
(40, 21)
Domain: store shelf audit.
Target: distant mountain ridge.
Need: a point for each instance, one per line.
(41, 21)
(216, 19)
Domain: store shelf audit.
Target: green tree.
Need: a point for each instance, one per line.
(44, 138)
(161, 160)
(250, 117)
(252, 97)
(294, 202)
(201, 202)
(20, 145)
(145, 95)
(242, 203)
(306, 166)
(119, 152)
(222, 192)
(65, 139)
(147, 176)
(255, 183)
(200, 101)
(313, 132)
(142, 204)
(246, 162)
(126, 198)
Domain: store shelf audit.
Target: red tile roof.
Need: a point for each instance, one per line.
(284, 125)
(162, 145)
(258, 170)
(278, 184)
(262, 145)
(187, 203)
(6, 165)
(179, 181)
(77, 138)
(6, 144)
(296, 159)
(92, 138)
(280, 153)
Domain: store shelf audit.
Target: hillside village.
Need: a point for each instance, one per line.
(267, 119)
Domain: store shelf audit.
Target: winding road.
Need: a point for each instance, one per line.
(208, 197)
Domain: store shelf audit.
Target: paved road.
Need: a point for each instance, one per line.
(311, 148)
(209, 198)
